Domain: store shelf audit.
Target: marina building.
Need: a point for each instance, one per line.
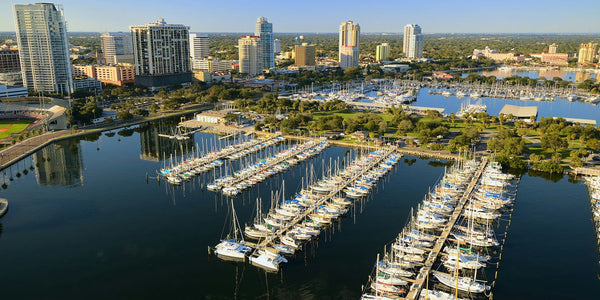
(382, 52)
(349, 44)
(161, 54)
(199, 48)
(522, 113)
(264, 30)
(45, 66)
(587, 53)
(117, 48)
(250, 54)
(305, 55)
(413, 41)
(557, 59)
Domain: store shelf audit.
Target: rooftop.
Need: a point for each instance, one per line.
(519, 111)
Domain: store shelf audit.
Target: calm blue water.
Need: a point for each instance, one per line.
(85, 223)
(559, 108)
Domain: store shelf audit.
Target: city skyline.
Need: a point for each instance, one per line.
(435, 16)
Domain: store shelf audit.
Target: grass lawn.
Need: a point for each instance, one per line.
(8, 127)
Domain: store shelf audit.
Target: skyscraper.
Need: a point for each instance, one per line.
(43, 47)
(305, 55)
(199, 46)
(553, 48)
(251, 56)
(264, 30)
(349, 41)
(587, 53)
(117, 48)
(413, 41)
(161, 54)
(382, 52)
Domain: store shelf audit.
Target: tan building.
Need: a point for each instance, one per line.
(587, 53)
(557, 59)
(211, 64)
(251, 58)
(553, 49)
(117, 75)
(495, 55)
(305, 55)
(382, 52)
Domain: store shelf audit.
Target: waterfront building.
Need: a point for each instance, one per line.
(557, 59)
(496, 56)
(250, 54)
(117, 48)
(349, 44)
(413, 41)
(305, 55)
(264, 30)
(587, 53)
(161, 54)
(276, 46)
(199, 48)
(382, 52)
(553, 48)
(45, 66)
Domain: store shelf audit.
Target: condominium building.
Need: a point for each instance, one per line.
(382, 52)
(9, 61)
(413, 41)
(557, 59)
(117, 48)
(251, 57)
(553, 48)
(161, 54)
(276, 46)
(587, 53)
(305, 55)
(264, 30)
(349, 44)
(199, 48)
(43, 47)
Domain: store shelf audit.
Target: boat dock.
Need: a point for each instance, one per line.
(295, 221)
(415, 289)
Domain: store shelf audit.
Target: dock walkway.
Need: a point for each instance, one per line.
(266, 242)
(415, 289)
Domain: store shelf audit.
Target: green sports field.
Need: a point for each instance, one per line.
(8, 127)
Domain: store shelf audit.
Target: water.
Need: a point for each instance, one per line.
(559, 108)
(86, 223)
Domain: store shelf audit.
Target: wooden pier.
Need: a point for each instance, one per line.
(586, 171)
(415, 289)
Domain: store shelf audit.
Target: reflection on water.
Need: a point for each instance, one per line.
(157, 148)
(59, 164)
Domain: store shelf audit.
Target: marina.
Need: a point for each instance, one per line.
(71, 207)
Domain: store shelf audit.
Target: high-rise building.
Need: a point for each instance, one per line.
(587, 53)
(348, 46)
(199, 46)
(276, 46)
(264, 30)
(161, 54)
(305, 55)
(382, 52)
(251, 56)
(553, 48)
(43, 47)
(117, 48)
(413, 41)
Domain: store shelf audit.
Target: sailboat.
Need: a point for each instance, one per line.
(233, 247)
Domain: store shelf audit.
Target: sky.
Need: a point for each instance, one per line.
(441, 16)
